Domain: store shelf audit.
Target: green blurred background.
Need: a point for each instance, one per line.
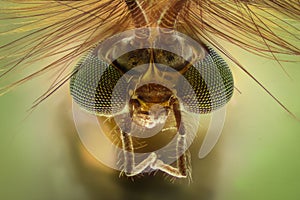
(257, 156)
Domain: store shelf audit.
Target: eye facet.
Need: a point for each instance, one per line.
(92, 85)
(212, 82)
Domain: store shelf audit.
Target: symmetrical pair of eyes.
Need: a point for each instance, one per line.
(210, 82)
(267, 28)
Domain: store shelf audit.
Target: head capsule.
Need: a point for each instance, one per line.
(208, 82)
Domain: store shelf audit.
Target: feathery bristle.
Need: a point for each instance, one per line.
(65, 30)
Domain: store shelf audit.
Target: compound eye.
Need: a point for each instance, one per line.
(93, 83)
(211, 81)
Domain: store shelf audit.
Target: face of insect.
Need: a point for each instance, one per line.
(143, 83)
(150, 105)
